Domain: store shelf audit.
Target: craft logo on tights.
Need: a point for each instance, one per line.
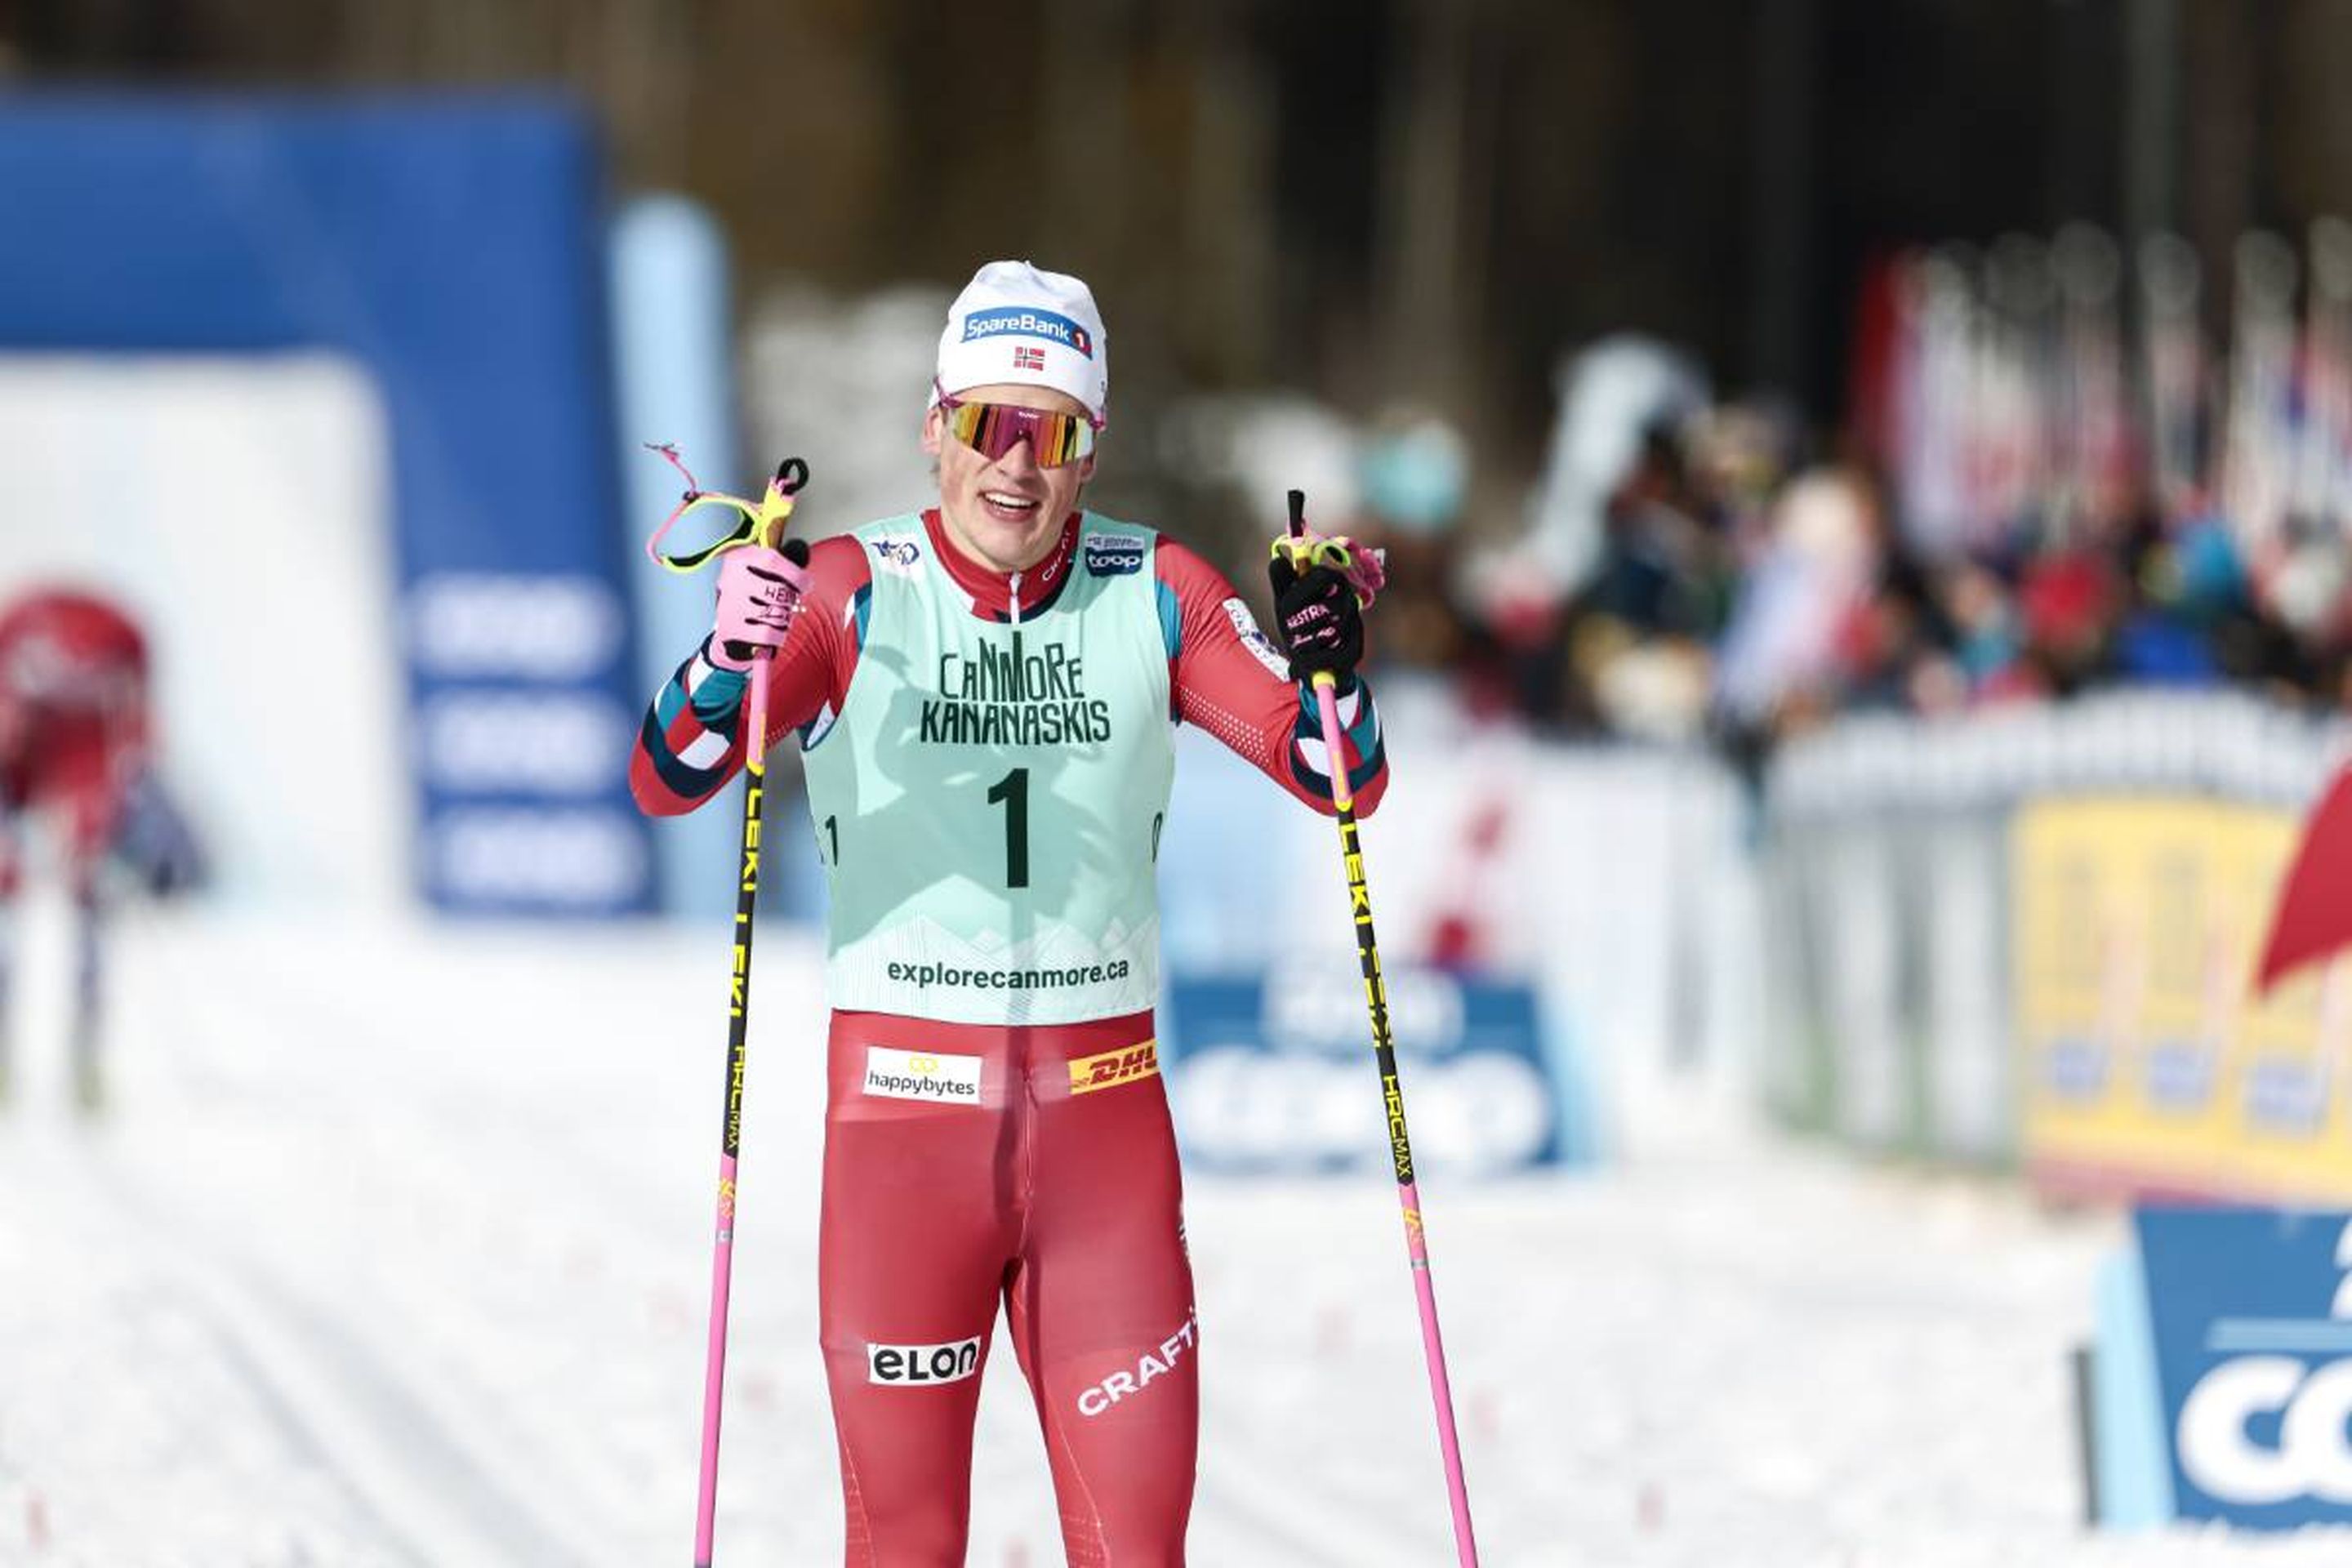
(922, 1075)
(1156, 1362)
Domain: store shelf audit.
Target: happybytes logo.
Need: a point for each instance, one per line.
(922, 1075)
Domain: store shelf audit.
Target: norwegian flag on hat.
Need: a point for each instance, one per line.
(1028, 359)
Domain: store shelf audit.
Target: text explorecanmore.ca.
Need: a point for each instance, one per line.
(1008, 979)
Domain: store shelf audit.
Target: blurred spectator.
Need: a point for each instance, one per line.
(1793, 626)
(1986, 636)
(1412, 476)
(2069, 604)
(2069, 548)
(1639, 629)
(1613, 395)
(2181, 590)
(2007, 528)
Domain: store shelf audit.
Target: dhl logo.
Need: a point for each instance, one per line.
(1088, 1074)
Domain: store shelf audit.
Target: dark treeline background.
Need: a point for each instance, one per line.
(1430, 198)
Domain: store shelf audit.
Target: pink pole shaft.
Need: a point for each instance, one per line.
(1441, 1388)
(714, 1375)
(722, 1256)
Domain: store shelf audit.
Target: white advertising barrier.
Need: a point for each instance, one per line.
(1865, 974)
(1964, 1000)
(1886, 847)
(237, 508)
(1612, 880)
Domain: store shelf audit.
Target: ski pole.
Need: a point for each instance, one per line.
(762, 523)
(1362, 570)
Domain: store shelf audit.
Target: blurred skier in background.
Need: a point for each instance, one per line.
(76, 764)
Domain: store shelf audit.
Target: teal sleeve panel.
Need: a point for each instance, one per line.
(1362, 736)
(1171, 618)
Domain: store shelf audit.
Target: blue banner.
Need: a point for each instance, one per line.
(1278, 1077)
(2252, 1312)
(453, 246)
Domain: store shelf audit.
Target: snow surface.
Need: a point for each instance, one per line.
(394, 1251)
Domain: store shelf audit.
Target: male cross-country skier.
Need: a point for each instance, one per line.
(76, 743)
(986, 693)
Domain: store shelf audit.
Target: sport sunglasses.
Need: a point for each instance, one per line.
(992, 430)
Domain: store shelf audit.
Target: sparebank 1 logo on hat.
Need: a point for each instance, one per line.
(1027, 321)
(1016, 322)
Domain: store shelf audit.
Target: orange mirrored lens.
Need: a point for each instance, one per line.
(994, 429)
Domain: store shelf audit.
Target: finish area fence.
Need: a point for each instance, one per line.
(2028, 938)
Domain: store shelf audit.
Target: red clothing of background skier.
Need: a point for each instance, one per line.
(73, 719)
(76, 752)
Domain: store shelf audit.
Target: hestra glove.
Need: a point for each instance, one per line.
(1319, 622)
(758, 590)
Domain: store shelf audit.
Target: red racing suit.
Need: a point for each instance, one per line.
(73, 721)
(1053, 1186)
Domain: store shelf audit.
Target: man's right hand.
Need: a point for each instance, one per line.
(759, 589)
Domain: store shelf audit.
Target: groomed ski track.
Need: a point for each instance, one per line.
(393, 1248)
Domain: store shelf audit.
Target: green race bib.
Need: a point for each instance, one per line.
(988, 802)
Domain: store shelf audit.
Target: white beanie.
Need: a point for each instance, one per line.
(1016, 323)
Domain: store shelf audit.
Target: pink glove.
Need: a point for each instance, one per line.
(758, 590)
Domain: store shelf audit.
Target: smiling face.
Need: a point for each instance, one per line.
(1004, 514)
